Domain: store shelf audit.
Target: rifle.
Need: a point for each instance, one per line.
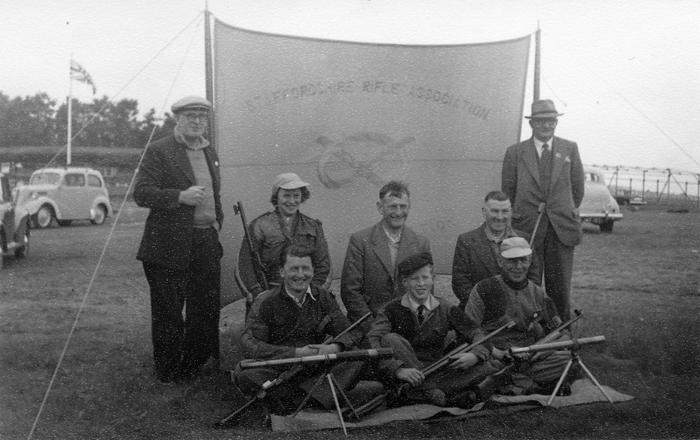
(489, 385)
(540, 211)
(432, 368)
(283, 377)
(332, 358)
(554, 335)
(254, 257)
(538, 348)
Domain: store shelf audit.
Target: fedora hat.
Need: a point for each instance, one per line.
(543, 109)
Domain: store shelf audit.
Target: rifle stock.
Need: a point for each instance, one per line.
(254, 256)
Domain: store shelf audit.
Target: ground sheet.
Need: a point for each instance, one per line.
(583, 391)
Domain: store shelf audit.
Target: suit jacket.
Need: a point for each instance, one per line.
(369, 279)
(475, 261)
(520, 179)
(165, 171)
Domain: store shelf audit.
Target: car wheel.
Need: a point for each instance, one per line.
(100, 215)
(23, 251)
(607, 226)
(44, 217)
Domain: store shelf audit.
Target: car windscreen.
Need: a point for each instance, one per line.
(45, 179)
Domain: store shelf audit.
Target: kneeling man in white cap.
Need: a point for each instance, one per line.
(511, 296)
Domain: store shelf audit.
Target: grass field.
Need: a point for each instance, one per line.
(638, 286)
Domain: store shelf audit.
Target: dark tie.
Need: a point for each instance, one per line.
(421, 314)
(545, 168)
(546, 155)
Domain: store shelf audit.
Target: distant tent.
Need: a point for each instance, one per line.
(347, 117)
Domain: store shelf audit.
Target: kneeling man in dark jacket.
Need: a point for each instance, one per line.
(416, 326)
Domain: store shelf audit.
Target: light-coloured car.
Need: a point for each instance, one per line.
(599, 206)
(14, 224)
(65, 194)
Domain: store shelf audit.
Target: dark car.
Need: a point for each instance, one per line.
(14, 224)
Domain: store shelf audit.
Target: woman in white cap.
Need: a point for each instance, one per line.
(286, 223)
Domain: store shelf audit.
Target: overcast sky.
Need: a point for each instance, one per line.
(625, 73)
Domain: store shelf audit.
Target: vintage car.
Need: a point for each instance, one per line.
(14, 224)
(599, 206)
(65, 194)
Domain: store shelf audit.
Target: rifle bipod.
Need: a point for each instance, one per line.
(335, 389)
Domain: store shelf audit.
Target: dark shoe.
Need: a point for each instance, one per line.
(432, 396)
(465, 399)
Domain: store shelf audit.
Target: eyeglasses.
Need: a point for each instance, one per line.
(544, 122)
(195, 118)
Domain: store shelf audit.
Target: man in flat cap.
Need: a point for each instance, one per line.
(511, 296)
(285, 224)
(369, 276)
(476, 251)
(547, 169)
(180, 250)
(416, 327)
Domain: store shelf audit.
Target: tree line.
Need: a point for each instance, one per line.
(38, 121)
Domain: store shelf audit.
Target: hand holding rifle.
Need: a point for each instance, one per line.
(414, 378)
(285, 376)
(254, 256)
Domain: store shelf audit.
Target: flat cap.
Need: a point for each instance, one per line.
(515, 247)
(191, 103)
(414, 262)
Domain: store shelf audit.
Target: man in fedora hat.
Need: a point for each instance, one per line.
(179, 182)
(547, 169)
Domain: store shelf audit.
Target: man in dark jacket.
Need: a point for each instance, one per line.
(180, 250)
(547, 169)
(476, 252)
(290, 321)
(416, 327)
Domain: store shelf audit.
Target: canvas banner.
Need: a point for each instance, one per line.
(348, 117)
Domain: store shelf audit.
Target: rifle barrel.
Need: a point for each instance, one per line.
(557, 345)
(373, 353)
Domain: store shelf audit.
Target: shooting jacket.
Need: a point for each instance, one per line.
(268, 237)
(495, 301)
(427, 339)
(275, 325)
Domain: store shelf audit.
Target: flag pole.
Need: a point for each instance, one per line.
(70, 108)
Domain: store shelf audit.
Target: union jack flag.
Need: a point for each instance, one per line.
(77, 72)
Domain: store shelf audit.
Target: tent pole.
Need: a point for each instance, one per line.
(538, 51)
(209, 69)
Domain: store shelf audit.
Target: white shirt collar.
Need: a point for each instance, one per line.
(300, 302)
(539, 143)
(430, 304)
